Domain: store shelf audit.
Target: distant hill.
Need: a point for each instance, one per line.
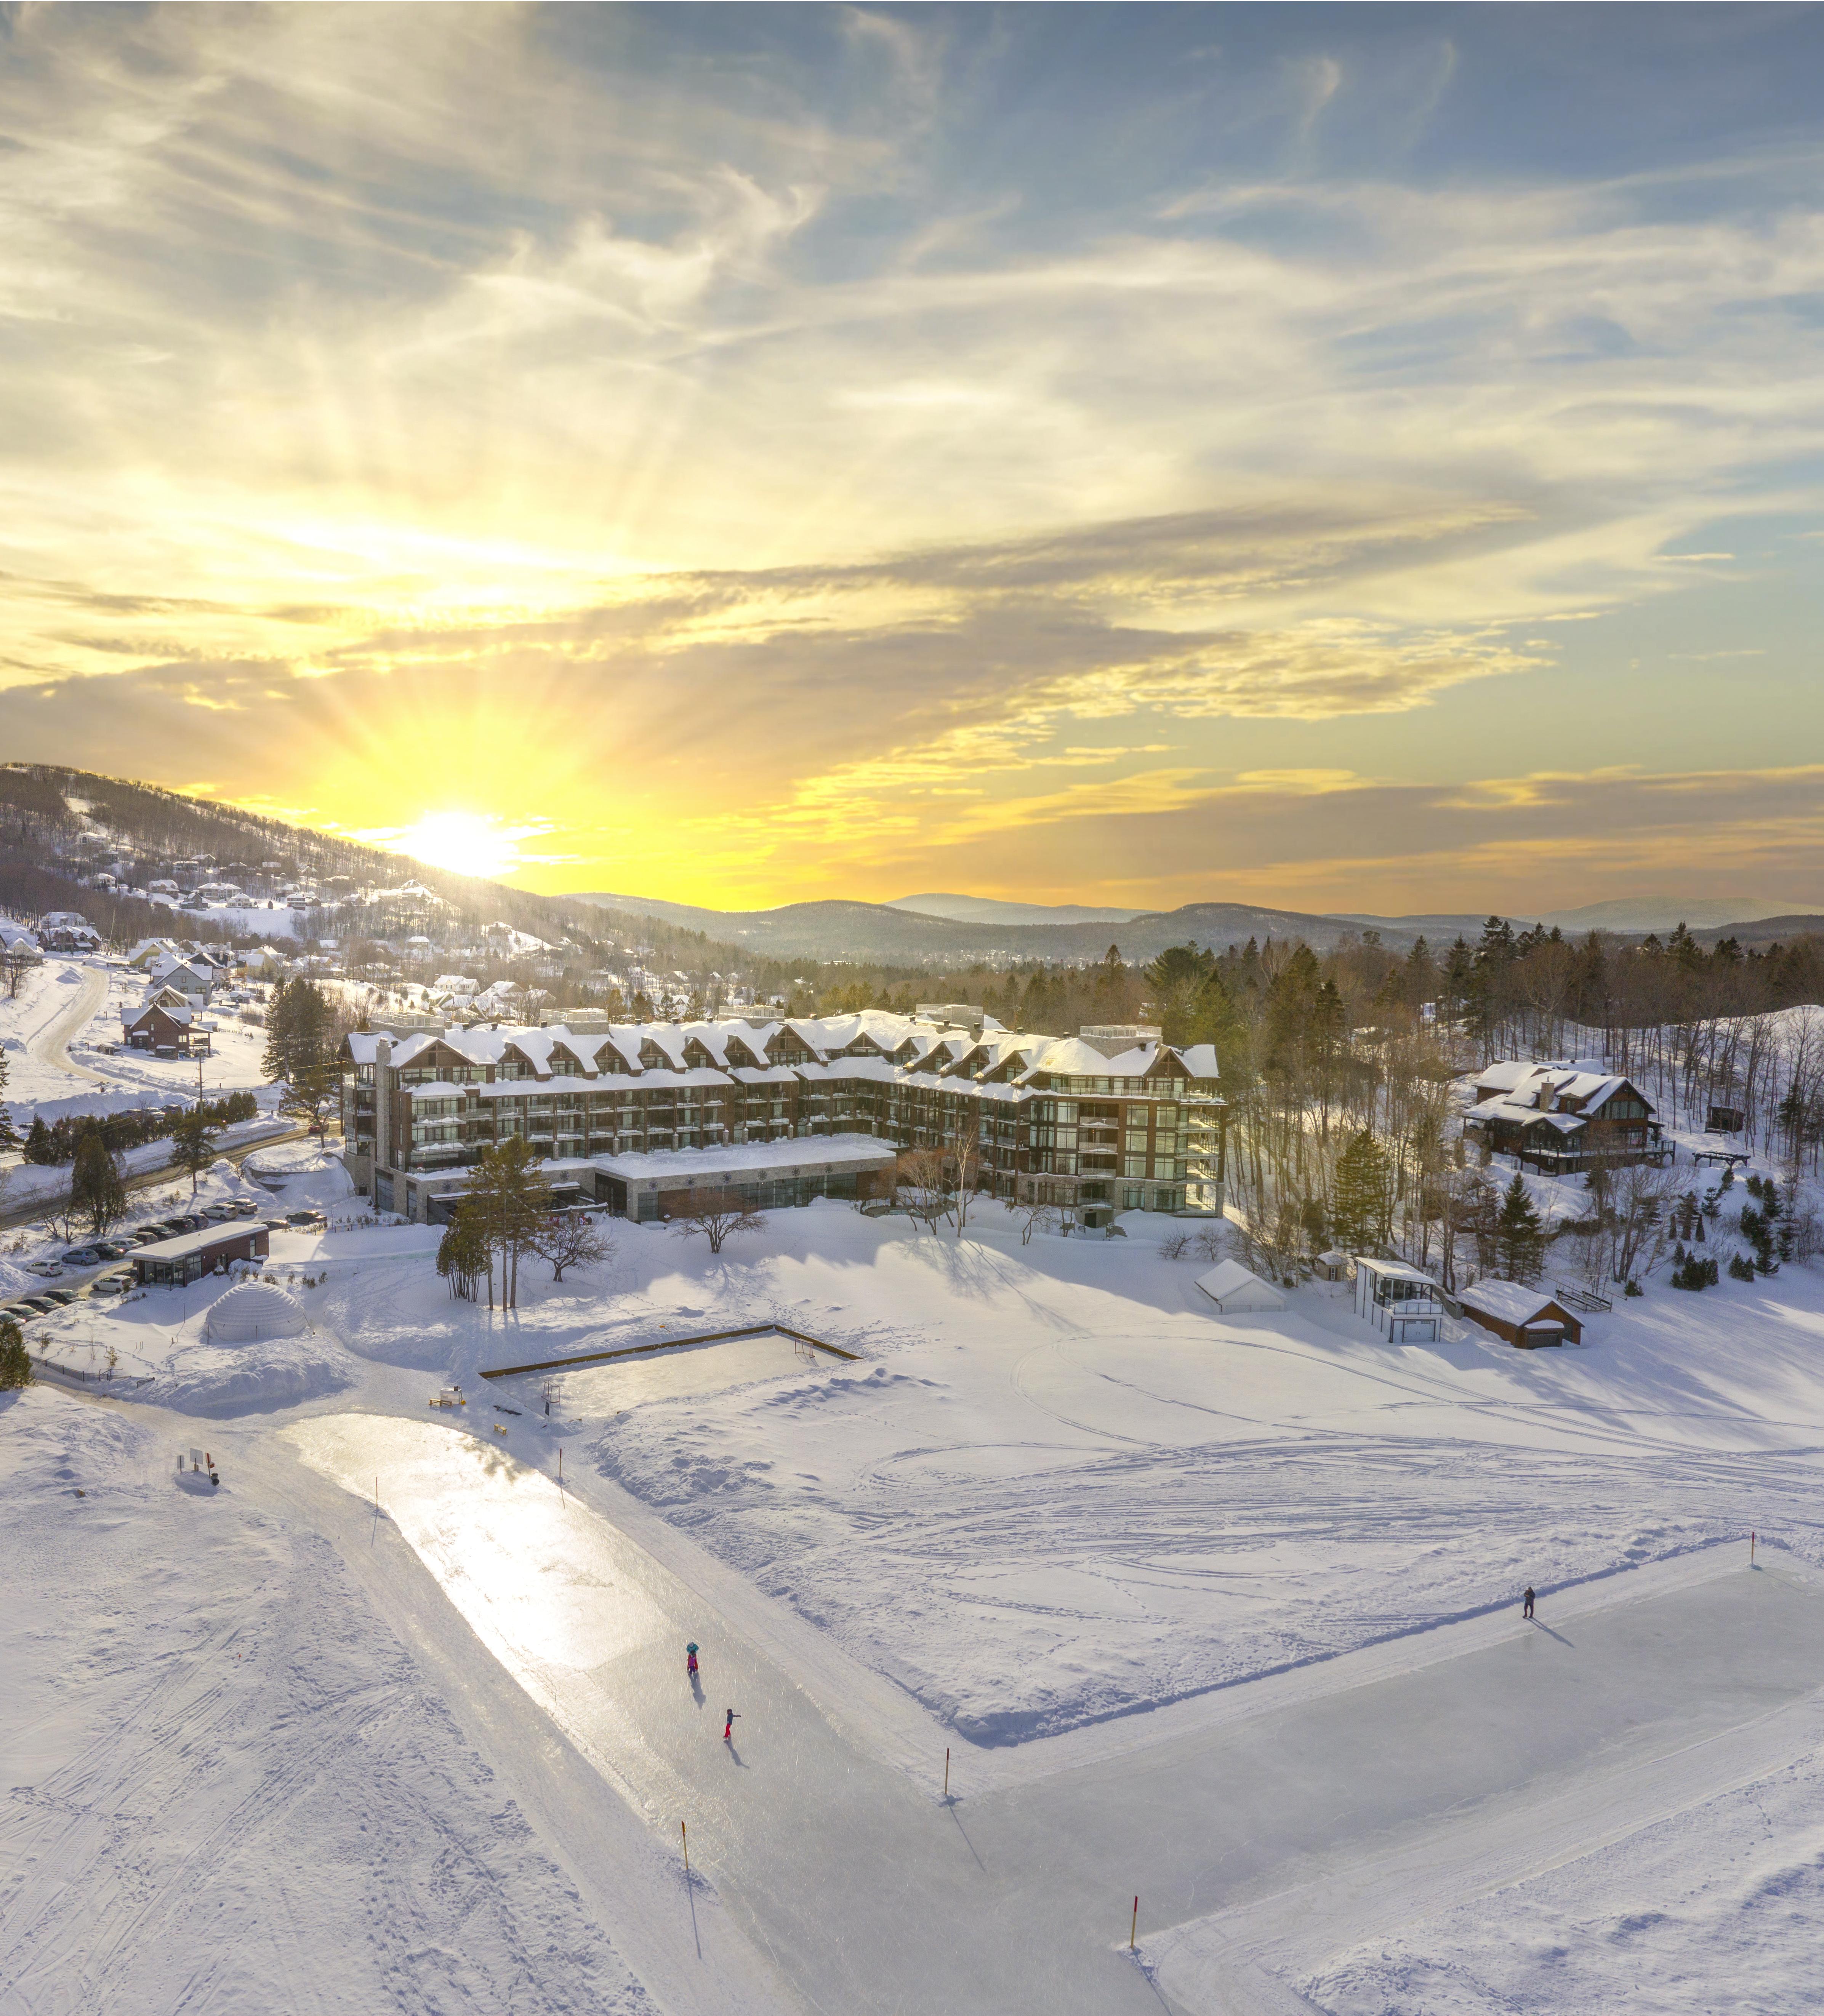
(1436, 927)
(1659, 913)
(991, 910)
(886, 933)
(1756, 933)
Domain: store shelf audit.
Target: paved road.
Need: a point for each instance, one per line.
(150, 1179)
(51, 1046)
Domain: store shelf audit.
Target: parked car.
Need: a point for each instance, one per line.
(169, 1228)
(113, 1249)
(245, 1208)
(82, 1256)
(51, 1268)
(305, 1218)
(61, 1296)
(116, 1283)
(215, 1213)
(38, 1305)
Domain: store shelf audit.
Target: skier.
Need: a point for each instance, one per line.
(1527, 1608)
(728, 1728)
(691, 1660)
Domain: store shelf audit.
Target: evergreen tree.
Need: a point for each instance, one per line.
(1359, 1196)
(508, 1201)
(300, 1035)
(96, 1191)
(39, 1148)
(1519, 1236)
(14, 1360)
(463, 1256)
(193, 1144)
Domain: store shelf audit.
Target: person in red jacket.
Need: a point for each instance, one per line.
(728, 1728)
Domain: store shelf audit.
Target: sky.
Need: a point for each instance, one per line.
(1362, 459)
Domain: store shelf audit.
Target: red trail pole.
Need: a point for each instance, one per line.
(1133, 1929)
(946, 1770)
(684, 1834)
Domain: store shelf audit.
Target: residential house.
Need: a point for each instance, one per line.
(1561, 1118)
(171, 1031)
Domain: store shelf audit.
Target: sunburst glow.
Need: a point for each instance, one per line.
(464, 843)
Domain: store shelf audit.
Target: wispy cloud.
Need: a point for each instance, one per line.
(585, 404)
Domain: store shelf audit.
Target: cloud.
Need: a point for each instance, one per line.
(584, 416)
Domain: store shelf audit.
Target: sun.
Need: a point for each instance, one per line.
(465, 843)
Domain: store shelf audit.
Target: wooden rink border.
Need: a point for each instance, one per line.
(675, 1344)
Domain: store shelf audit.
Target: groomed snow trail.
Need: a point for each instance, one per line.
(869, 1895)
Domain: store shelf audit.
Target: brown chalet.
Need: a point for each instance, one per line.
(171, 1031)
(1560, 1119)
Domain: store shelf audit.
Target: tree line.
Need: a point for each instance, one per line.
(55, 1144)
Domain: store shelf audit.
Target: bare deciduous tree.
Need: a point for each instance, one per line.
(573, 1239)
(919, 1187)
(1035, 1216)
(717, 1214)
(1637, 1197)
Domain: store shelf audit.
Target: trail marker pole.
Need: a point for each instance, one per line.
(946, 1770)
(1133, 1929)
(684, 1832)
(1751, 1538)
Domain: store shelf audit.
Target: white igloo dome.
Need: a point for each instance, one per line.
(252, 1311)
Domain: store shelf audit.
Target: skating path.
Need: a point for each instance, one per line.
(868, 1893)
(51, 1046)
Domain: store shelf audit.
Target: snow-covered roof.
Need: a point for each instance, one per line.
(941, 1059)
(1546, 1088)
(252, 1310)
(1507, 1300)
(704, 1167)
(1231, 1286)
(1071, 1057)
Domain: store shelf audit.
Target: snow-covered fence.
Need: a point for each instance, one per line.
(675, 1344)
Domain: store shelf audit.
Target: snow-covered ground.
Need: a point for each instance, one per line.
(230, 1785)
(67, 1008)
(1126, 1558)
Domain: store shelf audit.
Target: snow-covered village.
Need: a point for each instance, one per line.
(911, 1010)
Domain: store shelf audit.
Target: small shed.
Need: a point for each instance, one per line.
(1332, 1266)
(1724, 1120)
(1235, 1291)
(170, 1262)
(1527, 1317)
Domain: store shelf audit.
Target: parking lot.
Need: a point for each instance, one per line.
(102, 1266)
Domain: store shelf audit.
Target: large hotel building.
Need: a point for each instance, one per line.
(640, 1117)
